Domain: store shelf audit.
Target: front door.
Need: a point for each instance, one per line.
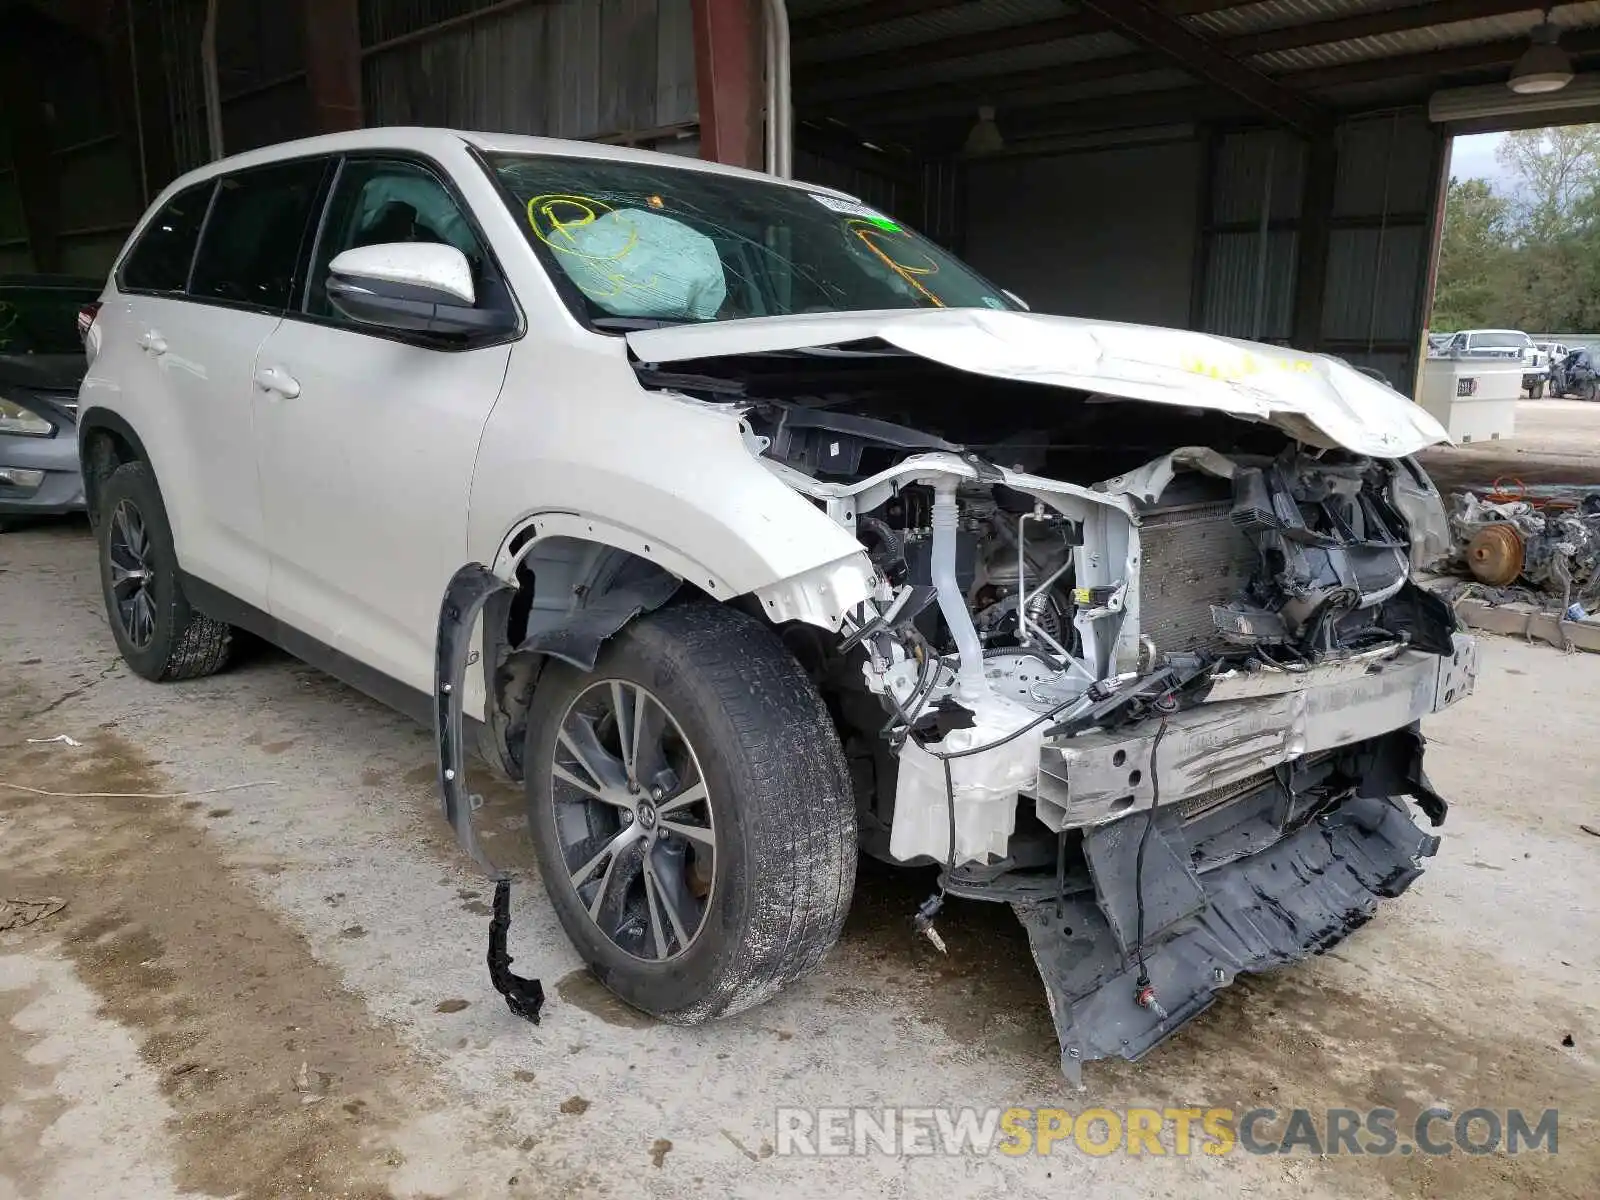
(367, 437)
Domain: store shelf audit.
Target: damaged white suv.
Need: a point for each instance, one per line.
(748, 528)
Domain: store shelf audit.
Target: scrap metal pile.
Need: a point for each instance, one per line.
(1536, 544)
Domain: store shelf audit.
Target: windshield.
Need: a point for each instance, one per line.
(633, 242)
(1499, 341)
(41, 320)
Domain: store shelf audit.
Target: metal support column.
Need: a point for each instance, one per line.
(333, 63)
(1311, 265)
(728, 76)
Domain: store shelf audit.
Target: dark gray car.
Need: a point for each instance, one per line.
(41, 364)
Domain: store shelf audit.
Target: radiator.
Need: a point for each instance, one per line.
(1194, 557)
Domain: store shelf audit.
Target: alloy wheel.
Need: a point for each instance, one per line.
(633, 819)
(131, 575)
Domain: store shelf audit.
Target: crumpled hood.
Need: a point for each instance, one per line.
(1311, 397)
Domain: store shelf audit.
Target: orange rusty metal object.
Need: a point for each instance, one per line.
(1495, 555)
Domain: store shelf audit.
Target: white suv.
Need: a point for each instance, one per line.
(746, 527)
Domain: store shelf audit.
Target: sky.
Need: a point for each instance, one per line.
(1472, 157)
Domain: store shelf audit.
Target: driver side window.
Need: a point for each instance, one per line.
(381, 200)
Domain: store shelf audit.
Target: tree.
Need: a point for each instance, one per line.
(1557, 171)
(1472, 254)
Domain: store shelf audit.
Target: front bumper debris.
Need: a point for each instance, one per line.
(1265, 908)
(1252, 723)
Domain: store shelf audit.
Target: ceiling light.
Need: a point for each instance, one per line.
(1544, 65)
(985, 137)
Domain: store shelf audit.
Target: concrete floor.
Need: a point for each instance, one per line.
(1553, 441)
(279, 990)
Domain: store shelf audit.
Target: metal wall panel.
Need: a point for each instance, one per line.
(1262, 168)
(1375, 280)
(1105, 233)
(97, 188)
(571, 69)
(382, 20)
(1386, 165)
(1249, 288)
(1379, 253)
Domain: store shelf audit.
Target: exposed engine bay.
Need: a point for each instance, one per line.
(1118, 654)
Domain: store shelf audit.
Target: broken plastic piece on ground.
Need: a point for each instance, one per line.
(14, 914)
(60, 737)
(524, 997)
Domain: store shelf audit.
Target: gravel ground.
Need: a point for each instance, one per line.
(279, 989)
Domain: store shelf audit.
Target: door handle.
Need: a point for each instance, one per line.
(276, 379)
(152, 341)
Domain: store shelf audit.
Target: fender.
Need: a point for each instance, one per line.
(820, 595)
(97, 419)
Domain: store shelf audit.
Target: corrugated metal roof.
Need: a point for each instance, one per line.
(976, 16)
(1280, 14)
(926, 27)
(999, 63)
(1413, 41)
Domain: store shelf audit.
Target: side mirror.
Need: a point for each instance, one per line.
(422, 287)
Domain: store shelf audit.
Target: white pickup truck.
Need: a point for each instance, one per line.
(1504, 343)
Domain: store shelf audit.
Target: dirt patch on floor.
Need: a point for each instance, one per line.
(1280, 1041)
(281, 1083)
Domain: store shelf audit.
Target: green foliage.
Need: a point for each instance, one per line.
(1531, 260)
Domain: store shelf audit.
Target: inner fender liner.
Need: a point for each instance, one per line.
(577, 637)
(1296, 898)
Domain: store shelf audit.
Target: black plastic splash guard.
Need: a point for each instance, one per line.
(1296, 898)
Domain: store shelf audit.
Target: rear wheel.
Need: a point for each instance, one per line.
(159, 634)
(1586, 390)
(691, 813)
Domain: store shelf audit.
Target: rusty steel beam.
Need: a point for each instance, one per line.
(728, 78)
(333, 63)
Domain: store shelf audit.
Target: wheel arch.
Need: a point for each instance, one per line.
(563, 583)
(105, 442)
(569, 587)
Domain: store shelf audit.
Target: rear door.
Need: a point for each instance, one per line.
(201, 348)
(367, 436)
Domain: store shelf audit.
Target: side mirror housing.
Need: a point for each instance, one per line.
(420, 287)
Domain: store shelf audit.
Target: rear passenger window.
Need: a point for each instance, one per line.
(160, 261)
(252, 240)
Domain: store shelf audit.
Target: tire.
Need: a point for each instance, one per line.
(163, 637)
(778, 805)
(1586, 390)
(1536, 392)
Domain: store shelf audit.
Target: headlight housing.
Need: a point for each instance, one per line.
(16, 419)
(1419, 502)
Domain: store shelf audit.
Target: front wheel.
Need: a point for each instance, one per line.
(691, 812)
(1536, 392)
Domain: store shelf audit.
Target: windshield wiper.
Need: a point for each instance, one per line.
(632, 323)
